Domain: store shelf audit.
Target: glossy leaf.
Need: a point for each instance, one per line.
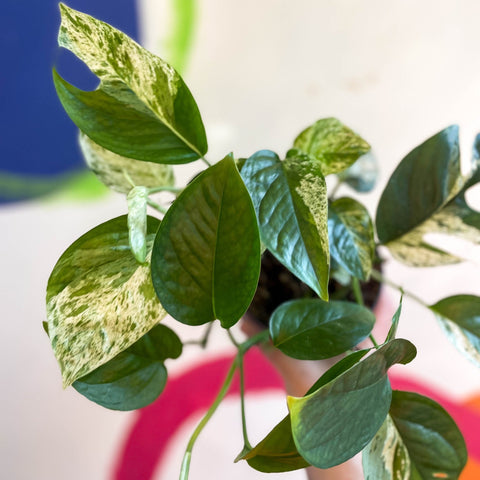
(424, 181)
(99, 299)
(137, 222)
(392, 332)
(331, 143)
(206, 256)
(362, 175)
(142, 109)
(351, 237)
(290, 198)
(337, 421)
(418, 441)
(459, 317)
(118, 173)
(136, 376)
(425, 194)
(312, 329)
(277, 452)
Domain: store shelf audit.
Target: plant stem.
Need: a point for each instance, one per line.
(246, 443)
(206, 336)
(220, 396)
(165, 188)
(156, 206)
(207, 163)
(380, 278)
(357, 291)
(204, 340)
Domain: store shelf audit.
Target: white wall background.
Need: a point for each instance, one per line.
(261, 71)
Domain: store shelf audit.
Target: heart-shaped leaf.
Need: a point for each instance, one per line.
(422, 183)
(350, 236)
(418, 440)
(142, 109)
(136, 376)
(336, 421)
(426, 194)
(206, 256)
(433, 440)
(331, 143)
(277, 452)
(290, 198)
(118, 173)
(99, 299)
(459, 317)
(312, 329)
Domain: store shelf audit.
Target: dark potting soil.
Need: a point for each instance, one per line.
(277, 285)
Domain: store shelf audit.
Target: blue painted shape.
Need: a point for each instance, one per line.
(36, 135)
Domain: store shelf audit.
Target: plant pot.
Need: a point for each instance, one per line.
(278, 285)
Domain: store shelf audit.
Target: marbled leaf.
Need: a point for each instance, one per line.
(142, 109)
(99, 299)
(290, 198)
(332, 144)
(118, 173)
(351, 237)
(459, 316)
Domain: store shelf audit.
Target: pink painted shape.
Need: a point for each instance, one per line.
(190, 393)
(194, 391)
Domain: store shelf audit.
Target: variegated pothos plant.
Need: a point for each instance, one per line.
(198, 260)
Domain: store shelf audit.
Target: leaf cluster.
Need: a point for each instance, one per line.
(199, 260)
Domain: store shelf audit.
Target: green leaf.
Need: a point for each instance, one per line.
(137, 222)
(362, 175)
(336, 421)
(333, 144)
(99, 299)
(386, 457)
(419, 441)
(290, 199)
(351, 237)
(395, 321)
(277, 452)
(312, 329)
(206, 256)
(459, 317)
(136, 376)
(118, 173)
(423, 182)
(425, 194)
(142, 109)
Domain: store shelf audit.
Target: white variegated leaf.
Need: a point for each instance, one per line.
(112, 56)
(99, 299)
(386, 457)
(137, 222)
(118, 173)
(412, 249)
(141, 108)
(465, 342)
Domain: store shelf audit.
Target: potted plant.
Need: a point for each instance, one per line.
(199, 261)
